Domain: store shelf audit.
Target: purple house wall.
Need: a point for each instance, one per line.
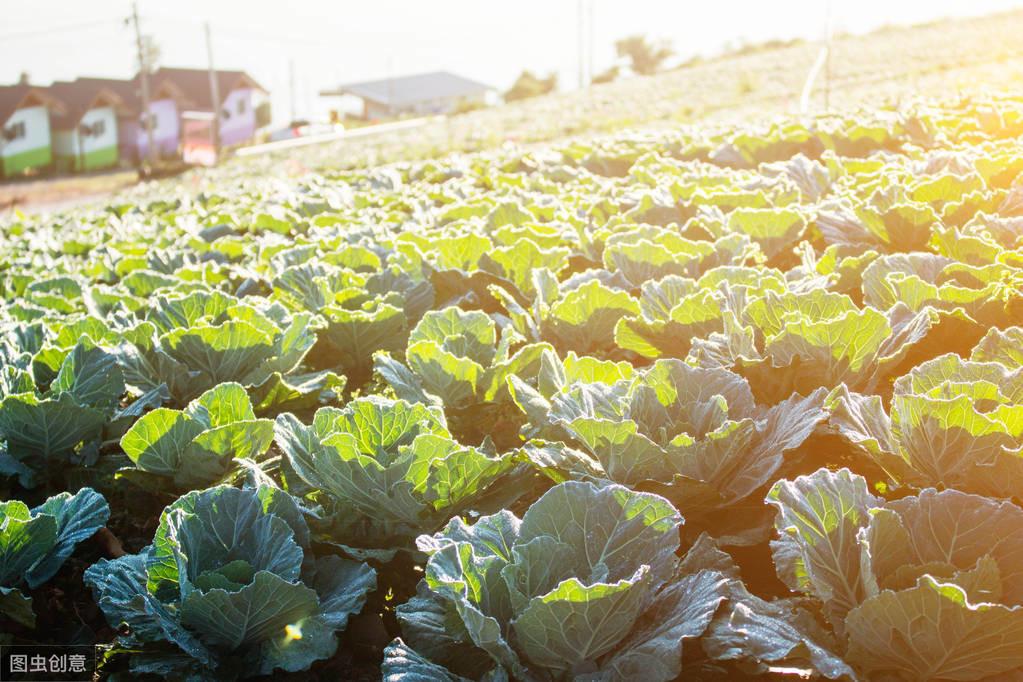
(238, 117)
(166, 132)
(166, 129)
(236, 109)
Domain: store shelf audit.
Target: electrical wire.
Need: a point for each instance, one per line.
(59, 29)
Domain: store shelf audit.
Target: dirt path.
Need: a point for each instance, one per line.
(51, 194)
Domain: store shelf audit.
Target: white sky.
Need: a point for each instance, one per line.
(334, 41)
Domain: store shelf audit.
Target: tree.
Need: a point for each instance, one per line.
(264, 114)
(528, 85)
(150, 54)
(607, 76)
(645, 56)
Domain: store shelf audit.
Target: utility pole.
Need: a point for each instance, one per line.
(392, 111)
(214, 93)
(580, 20)
(291, 89)
(589, 51)
(585, 37)
(827, 63)
(147, 117)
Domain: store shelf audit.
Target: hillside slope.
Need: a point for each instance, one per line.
(889, 65)
(884, 67)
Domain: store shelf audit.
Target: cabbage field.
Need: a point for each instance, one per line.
(698, 403)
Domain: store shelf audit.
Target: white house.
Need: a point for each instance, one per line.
(26, 140)
(438, 92)
(85, 134)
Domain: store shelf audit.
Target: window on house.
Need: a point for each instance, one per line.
(95, 129)
(241, 106)
(225, 113)
(14, 132)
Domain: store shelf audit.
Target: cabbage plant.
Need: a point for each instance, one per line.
(578, 314)
(384, 471)
(926, 587)
(883, 222)
(692, 434)
(988, 293)
(1001, 345)
(459, 357)
(229, 588)
(197, 446)
(35, 543)
(952, 422)
(585, 585)
(363, 314)
(645, 252)
(801, 341)
(45, 428)
(677, 312)
(191, 342)
(674, 310)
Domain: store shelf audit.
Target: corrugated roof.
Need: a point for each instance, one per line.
(13, 97)
(406, 90)
(128, 91)
(194, 84)
(78, 96)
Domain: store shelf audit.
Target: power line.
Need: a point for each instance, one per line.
(234, 32)
(243, 34)
(252, 32)
(59, 29)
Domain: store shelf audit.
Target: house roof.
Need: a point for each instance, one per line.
(406, 90)
(79, 96)
(194, 84)
(130, 91)
(14, 97)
